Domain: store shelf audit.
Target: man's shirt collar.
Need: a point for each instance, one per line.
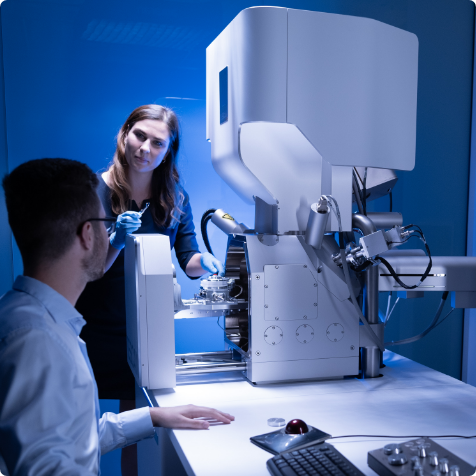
(60, 309)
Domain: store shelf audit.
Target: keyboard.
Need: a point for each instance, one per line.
(321, 459)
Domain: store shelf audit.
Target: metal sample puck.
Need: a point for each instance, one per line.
(276, 421)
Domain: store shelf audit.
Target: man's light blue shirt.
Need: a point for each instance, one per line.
(48, 403)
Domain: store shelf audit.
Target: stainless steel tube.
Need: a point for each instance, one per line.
(370, 362)
(370, 356)
(317, 223)
(203, 368)
(363, 223)
(371, 296)
(385, 219)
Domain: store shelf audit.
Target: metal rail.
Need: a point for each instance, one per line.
(222, 354)
(209, 367)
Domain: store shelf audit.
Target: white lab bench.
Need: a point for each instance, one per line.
(410, 399)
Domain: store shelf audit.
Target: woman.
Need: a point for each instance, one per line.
(144, 170)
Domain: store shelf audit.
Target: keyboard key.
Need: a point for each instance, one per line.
(288, 472)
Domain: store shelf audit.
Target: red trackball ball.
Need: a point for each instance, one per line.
(296, 427)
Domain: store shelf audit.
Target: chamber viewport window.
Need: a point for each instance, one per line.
(223, 95)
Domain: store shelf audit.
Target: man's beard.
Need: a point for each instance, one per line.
(95, 264)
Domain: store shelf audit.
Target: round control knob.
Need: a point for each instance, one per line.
(397, 459)
(392, 449)
(422, 451)
(418, 470)
(443, 466)
(454, 470)
(296, 427)
(433, 458)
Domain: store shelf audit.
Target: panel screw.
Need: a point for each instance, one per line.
(315, 285)
(273, 343)
(315, 304)
(257, 276)
(273, 327)
(305, 317)
(265, 285)
(297, 333)
(305, 265)
(277, 318)
(266, 306)
(258, 352)
(276, 267)
(352, 347)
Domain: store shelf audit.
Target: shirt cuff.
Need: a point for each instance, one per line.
(137, 424)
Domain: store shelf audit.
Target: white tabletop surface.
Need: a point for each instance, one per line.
(410, 399)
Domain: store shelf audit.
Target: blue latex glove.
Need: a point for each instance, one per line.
(211, 264)
(126, 223)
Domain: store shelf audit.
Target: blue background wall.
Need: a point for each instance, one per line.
(74, 69)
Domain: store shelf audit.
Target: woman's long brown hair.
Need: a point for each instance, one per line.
(167, 197)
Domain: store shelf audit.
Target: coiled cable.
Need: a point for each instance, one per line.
(206, 217)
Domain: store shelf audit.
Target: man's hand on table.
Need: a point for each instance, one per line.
(185, 417)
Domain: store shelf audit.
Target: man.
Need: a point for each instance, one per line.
(49, 411)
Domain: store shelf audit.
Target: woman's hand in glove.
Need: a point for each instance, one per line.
(126, 223)
(211, 264)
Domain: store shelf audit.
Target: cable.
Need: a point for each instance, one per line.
(402, 436)
(428, 329)
(241, 290)
(428, 268)
(203, 227)
(388, 305)
(444, 318)
(388, 317)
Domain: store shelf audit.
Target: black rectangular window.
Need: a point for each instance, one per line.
(224, 95)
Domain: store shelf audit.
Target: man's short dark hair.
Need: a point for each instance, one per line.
(47, 200)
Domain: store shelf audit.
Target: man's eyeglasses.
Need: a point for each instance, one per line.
(111, 220)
